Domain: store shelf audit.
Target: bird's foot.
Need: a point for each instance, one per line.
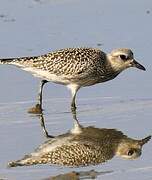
(37, 109)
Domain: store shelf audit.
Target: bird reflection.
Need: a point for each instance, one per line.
(83, 146)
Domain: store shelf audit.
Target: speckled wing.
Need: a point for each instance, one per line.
(75, 151)
(69, 154)
(76, 61)
(67, 62)
(77, 154)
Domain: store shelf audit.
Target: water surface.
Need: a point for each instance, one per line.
(35, 27)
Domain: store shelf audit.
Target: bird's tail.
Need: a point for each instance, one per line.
(6, 61)
(19, 62)
(28, 160)
(22, 162)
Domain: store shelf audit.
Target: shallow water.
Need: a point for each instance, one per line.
(36, 27)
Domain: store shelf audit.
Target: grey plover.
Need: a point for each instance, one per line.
(76, 67)
(87, 146)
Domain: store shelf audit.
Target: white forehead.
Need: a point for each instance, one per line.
(122, 51)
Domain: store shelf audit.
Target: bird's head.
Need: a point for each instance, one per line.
(121, 59)
(130, 148)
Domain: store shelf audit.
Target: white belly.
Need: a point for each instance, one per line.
(47, 75)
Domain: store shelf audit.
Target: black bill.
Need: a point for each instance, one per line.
(137, 65)
(145, 140)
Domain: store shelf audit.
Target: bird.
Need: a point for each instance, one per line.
(75, 68)
(83, 146)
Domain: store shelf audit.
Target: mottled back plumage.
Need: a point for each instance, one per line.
(75, 64)
(70, 61)
(90, 147)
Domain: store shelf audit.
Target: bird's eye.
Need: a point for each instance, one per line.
(123, 57)
(130, 152)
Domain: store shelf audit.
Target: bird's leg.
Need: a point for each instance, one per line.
(40, 93)
(74, 114)
(73, 105)
(43, 126)
(77, 127)
(38, 107)
(74, 90)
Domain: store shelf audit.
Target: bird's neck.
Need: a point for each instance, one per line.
(115, 66)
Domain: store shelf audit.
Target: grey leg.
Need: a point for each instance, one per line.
(73, 105)
(43, 126)
(77, 128)
(40, 92)
(74, 89)
(38, 107)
